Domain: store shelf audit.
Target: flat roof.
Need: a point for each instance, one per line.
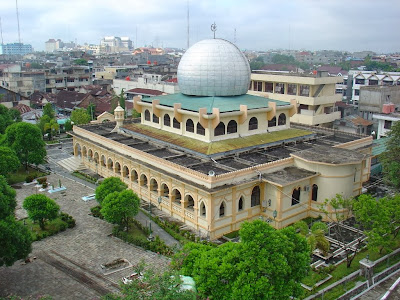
(288, 175)
(330, 155)
(265, 148)
(225, 104)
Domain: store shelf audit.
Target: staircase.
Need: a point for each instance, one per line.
(72, 164)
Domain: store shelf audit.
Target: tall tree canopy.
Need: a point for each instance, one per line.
(80, 116)
(26, 140)
(9, 161)
(15, 239)
(390, 159)
(41, 208)
(5, 118)
(108, 186)
(48, 111)
(266, 264)
(7, 199)
(120, 207)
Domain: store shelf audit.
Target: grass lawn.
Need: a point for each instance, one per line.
(21, 174)
(219, 146)
(313, 278)
(52, 227)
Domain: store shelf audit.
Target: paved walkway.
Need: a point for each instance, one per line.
(68, 265)
(378, 291)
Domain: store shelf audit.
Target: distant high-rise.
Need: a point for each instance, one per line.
(16, 49)
(115, 44)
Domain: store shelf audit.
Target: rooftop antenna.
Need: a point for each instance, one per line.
(19, 34)
(1, 32)
(187, 47)
(214, 28)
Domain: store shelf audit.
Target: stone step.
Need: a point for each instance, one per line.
(72, 164)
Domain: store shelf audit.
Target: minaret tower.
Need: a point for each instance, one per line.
(119, 115)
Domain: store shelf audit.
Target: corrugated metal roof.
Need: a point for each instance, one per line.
(379, 146)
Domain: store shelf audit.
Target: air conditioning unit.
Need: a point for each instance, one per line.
(307, 188)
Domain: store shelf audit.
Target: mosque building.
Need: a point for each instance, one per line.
(214, 156)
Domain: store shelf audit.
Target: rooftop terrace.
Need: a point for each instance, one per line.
(234, 154)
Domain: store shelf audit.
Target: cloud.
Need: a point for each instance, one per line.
(260, 24)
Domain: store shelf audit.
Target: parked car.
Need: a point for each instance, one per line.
(89, 197)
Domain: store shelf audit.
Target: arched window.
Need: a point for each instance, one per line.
(117, 168)
(155, 119)
(189, 126)
(272, 122)
(253, 123)
(176, 124)
(282, 119)
(167, 120)
(202, 209)
(296, 196)
(147, 115)
(222, 209)
(134, 176)
(125, 172)
(220, 129)
(240, 204)
(200, 129)
(164, 190)
(103, 160)
(232, 127)
(176, 196)
(96, 157)
(143, 180)
(255, 196)
(110, 164)
(314, 194)
(189, 202)
(153, 185)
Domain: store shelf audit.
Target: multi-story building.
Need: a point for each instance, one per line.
(15, 49)
(112, 44)
(356, 79)
(146, 81)
(315, 95)
(22, 82)
(53, 45)
(214, 156)
(67, 78)
(386, 119)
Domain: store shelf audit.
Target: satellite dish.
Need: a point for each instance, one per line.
(211, 173)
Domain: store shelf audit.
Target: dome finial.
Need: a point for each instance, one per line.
(214, 28)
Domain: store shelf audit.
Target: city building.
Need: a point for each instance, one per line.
(214, 156)
(314, 94)
(386, 119)
(113, 44)
(15, 49)
(146, 81)
(67, 78)
(53, 45)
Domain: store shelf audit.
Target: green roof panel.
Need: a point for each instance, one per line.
(225, 104)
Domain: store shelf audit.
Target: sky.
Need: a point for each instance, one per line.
(351, 25)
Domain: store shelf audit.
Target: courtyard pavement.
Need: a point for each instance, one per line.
(68, 265)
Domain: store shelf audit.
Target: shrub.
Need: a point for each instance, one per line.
(68, 219)
(42, 180)
(30, 178)
(63, 227)
(96, 212)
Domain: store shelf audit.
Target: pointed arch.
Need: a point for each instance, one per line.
(143, 180)
(153, 185)
(176, 124)
(203, 209)
(167, 120)
(155, 119)
(147, 115)
(314, 193)
(164, 190)
(117, 168)
(200, 129)
(272, 122)
(282, 119)
(189, 125)
(253, 123)
(125, 172)
(134, 176)
(232, 127)
(241, 204)
(103, 161)
(220, 129)
(255, 196)
(222, 209)
(110, 164)
(296, 196)
(176, 196)
(189, 202)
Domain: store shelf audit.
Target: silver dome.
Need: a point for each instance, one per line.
(213, 67)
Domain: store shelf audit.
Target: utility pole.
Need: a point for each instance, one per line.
(19, 34)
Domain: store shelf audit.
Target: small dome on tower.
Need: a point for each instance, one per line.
(118, 108)
(214, 67)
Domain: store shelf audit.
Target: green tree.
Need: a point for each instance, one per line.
(266, 264)
(122, 99)
(337, 210)
(68, 125)
(390, 159)
(108, 186)
(41, 208)
(9, 161)
(378, 220)
(316, 236)
(80, 116)
(15, 115)
(35, 65)
(283, 59)
(7, 199)
(48, 111)
(15, 240)
(5, 118)
(51, 128)
(257, 63)
(80, 61)
(154, 286)
(91, 110)
(26, 140)
(120, 207)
